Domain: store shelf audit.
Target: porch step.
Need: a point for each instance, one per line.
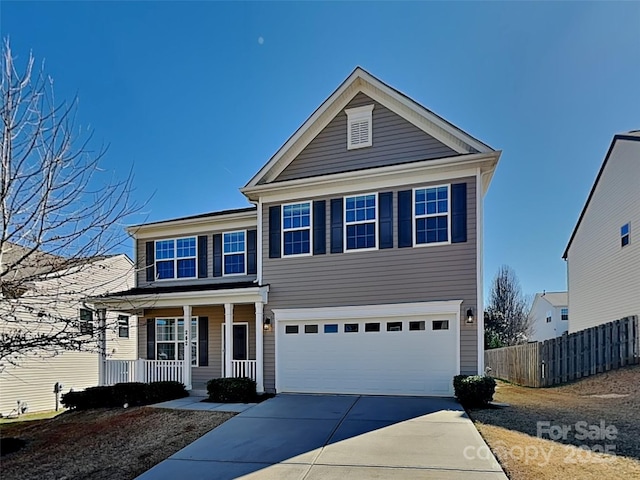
(198, 393)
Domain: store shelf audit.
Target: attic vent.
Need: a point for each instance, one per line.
(359, 127)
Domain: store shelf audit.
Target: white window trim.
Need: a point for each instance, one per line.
(195, 362)
(175, 258)
(359, 114)
(415, 217)
(235, 253)
(628, 235)
(345, 224)
(310, 227)
(90, 323)
(128, 325)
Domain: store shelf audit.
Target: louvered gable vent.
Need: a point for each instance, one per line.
(359, 127)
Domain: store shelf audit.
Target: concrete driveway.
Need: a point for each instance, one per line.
(333, 436)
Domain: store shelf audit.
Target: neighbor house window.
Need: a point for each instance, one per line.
(296, 229)
(431, 215)
(548, 317)
(359, 127)
(624, 234)
(123, 326)
(360, 221)
(564, 313)
(86, 321)
(234, 253)
(170, 339)
(176, 258)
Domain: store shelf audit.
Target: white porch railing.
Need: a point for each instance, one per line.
(125, 371)
(244, 368)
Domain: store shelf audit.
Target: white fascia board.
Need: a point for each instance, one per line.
(450, 307)
(384, 177)
(221, 223)
(177, 299)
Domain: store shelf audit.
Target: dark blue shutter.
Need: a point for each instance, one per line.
(336, 226)
(217, 255)
(202, 257)
(319, 227)
(459, 213)
(405, 222)
(151, 338)
(252, 249)
(385, 215)
(150, 262)
(274, 232)
(203, 341)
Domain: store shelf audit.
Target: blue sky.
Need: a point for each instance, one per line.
(187, 94)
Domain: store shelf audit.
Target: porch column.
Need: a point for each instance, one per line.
(186, 374)
(102, 345)
(259, 348)
(228, 339)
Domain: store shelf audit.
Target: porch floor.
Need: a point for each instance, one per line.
(196, 403)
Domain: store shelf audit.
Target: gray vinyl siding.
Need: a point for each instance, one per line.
(395, 141)
(396, 275)
(141, 258)
(215, 314)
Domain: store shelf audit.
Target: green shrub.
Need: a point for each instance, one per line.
(118, 395)
(231, 390)
(474, 390)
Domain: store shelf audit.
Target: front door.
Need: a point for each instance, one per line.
(240, 338)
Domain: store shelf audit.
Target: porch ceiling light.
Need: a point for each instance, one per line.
(470, 315)
(266, 325)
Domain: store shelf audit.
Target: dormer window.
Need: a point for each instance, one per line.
(359, 127)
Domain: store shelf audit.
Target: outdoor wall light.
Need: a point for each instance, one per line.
(470, 315)
(266, 325)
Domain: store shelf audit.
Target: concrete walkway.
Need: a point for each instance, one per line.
(316, 437)
(196, 403)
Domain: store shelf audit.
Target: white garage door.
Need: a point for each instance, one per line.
(408, 355)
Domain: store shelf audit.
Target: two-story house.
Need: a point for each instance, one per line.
(358, 269)
(603, 253)
(549, 316)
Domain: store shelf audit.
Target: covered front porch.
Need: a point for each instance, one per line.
(224, 337)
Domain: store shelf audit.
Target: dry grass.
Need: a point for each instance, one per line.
(512, 430)
(103, 444)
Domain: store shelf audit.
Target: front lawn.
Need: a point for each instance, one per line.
(583, 419)
(102, 444)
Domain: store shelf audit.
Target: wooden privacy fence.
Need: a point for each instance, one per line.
(569, 357)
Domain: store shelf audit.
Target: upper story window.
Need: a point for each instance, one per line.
(296, 228)
(176, 258)
(123, 326)
(360, 221)
(431, 215)
(624, 234)
(359, 127)
(86, 321)
(549, 316)
(235, 254)
(564, 314)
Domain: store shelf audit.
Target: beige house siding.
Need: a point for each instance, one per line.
(395, 140)
(33, 380)
(603, 276)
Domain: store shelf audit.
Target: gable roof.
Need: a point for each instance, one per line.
(557, 299)
(633, 135)
(362, 81)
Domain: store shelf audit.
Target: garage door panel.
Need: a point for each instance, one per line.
(420, 362)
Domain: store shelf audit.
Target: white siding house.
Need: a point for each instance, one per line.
(549, 316)
(603, 254)
(33, 380)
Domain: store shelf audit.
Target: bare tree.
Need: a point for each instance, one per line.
(60, 211)
(506, 319)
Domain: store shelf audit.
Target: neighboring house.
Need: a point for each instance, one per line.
(549, 316)
(61, 294)
(603, 253)
(357, 270)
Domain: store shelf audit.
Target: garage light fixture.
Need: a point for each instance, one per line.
(470, 315)
(266, 325)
